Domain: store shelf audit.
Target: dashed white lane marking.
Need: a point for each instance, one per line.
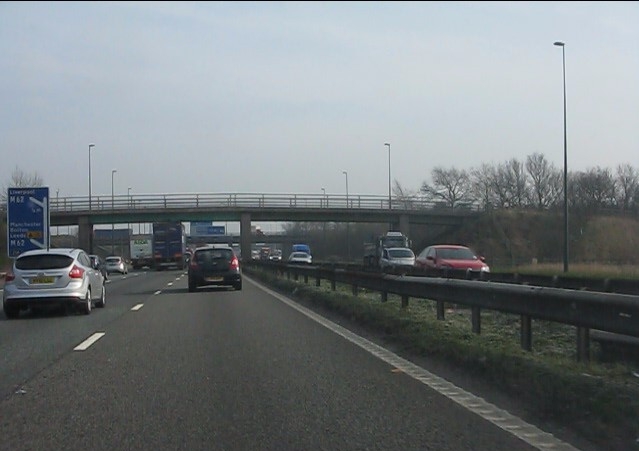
(170, 283)
(530, 434)
(89, 341)
(158, 292)
(135, 308)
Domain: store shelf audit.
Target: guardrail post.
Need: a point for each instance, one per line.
(318, 278)
(404, 301)
(440, 310)
(305, 278)
(583, 344)
(384, 296)
(526, 333)
(333, 283)
(476, 319)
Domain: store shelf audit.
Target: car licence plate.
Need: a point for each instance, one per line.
(214, 279)
(41, 280)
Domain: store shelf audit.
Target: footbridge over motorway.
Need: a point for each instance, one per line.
(244, 208)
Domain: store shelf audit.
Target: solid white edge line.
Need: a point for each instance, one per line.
(89, 341)
(135, 308)
(504, 420)
(158, 292)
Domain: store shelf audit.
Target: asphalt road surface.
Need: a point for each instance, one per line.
(163, 369)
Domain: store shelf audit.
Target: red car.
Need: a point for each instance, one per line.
(450, 256)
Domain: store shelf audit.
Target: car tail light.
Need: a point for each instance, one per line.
(8, 277)
(76, 272)
(235, 263)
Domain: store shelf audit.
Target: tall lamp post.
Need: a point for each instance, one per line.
(563, 57)
(389, 176)
(90, 234)
(324, 222)
(90, 147)
(57, 206)
(348, 224)
(113, 171)
(346, 174)
(128, 197)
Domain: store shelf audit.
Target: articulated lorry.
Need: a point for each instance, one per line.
(169, 245)
(373, 250)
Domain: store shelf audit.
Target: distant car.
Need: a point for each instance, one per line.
(300, 257)
(450, 256)
(397, 258)
(97, 263)
(53, 277)
(214, 265)
(276, 256)
(116, 264)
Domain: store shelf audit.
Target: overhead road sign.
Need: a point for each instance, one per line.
(204, 229)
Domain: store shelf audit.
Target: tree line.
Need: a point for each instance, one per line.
(534, 183)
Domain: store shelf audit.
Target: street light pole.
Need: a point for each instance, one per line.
(113, 171)
(348, 224)
(128, 197)
(90, 234)
(57, 206)
(563, 57)
(324, 223)
(90, 147)
(346, 174)
(389, 176)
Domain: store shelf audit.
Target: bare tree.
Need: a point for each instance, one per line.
(451, 186)
(545, 181)
(627, 186)
(594, 189)
(482, 181)
(515, 182)
(20, 179)
(405, 197)
(509, 184)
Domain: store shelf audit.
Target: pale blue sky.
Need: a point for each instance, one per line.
(282, 97)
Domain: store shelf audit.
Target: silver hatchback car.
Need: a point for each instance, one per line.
(54, 277)
(116, 264)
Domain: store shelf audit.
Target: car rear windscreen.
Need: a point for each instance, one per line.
(44, 261)
(214, 254)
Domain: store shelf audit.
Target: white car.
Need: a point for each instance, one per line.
(397, 258)
(300, 257)
(53, 277)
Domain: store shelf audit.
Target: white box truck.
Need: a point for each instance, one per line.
(142, 251)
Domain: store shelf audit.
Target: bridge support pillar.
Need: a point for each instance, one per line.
(85, 234)
(404, 225)
(245, 236)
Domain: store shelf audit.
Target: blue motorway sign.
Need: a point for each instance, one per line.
(27, 219)
(206, 229)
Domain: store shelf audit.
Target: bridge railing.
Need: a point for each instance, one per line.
(244, 200)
